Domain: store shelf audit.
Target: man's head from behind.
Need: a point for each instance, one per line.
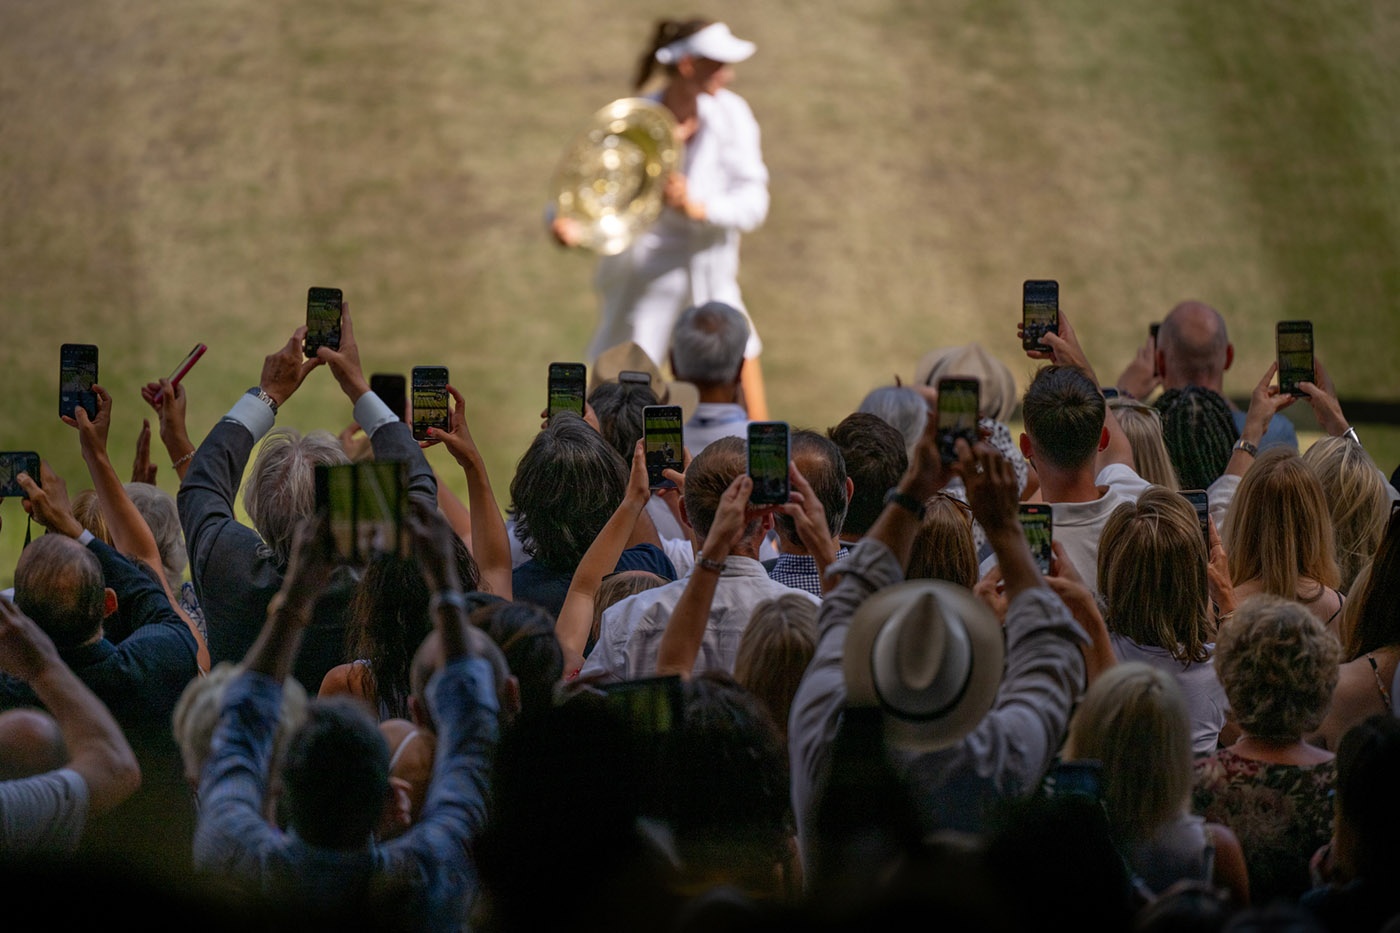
(1064, 416)
(821, 463)
(875, 458)
(566, 487)
(59, 584)
(282, 489)
(1193, 347)
(336, 775)
(706, 479)
(707, 344)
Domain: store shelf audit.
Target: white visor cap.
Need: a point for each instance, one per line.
(714, 42)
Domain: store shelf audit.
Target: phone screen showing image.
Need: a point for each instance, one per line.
(1037, 522)
(957, 414)
(392, 390)
(13, 463)
(1295, 355)
(650, 705)
(662, 433)
(429, 400)
(567, 387)
(768, 462)
(1040, 312)
(322, 319)
(1200, 501)
(77, 374)
(366, 501)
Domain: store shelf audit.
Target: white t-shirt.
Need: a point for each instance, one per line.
(43, 813)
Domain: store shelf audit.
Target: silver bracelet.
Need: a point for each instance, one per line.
(455, 598)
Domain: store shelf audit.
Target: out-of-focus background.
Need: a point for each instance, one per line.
(174, 172)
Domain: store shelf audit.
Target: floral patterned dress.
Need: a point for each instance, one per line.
(1281, 813)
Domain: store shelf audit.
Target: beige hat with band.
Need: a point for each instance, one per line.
(930, 655)
(629, 356)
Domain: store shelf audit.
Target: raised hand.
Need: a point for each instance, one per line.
(92, 432)
(142, 469)
(286, 369)
(49, 504)
(345, 362)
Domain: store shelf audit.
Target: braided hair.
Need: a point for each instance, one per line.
(1199, 431)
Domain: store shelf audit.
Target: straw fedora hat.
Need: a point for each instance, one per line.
(629, 356)
(930, 655)
(997, 396)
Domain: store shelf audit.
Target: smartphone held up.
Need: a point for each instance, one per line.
(768, 455)
(322, 319)
(13, 463)
(185, 366)
(663, 443)
(77, 374)
(429, 394)
(567, 388)
(1037, 522)
(1294, 340)
(958, 401)
(1040, 312)
(367, 502)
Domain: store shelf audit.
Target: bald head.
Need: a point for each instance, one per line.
(30, 743)
(1193, 347)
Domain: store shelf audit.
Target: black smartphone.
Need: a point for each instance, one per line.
(1200, 501)
(429, 400)
(392, 390)
(768, 456)
(957, 414)
(662, 436)
(651, 705)
(1081, 778)
(1038, 524)
(322, 319)
(1152, 330)
(77, 374)
(1295, 355)
(567, 388)
(13, 463)
(634, 376)
(367, 501)
(1040, 312)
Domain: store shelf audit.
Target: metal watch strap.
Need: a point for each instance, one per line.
(258, 393)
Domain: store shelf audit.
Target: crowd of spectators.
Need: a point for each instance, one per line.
(617, 704)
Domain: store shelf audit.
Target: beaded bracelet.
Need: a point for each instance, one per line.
(716, 565)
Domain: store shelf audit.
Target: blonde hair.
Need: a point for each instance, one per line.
(197, 713)
(1356, 501)
(1278, 526)
(1133, 719)
(1278, 665)
(619, 586)
(943, 547)
(88, 511)
(1142, 425)
(1152, 574)
(774, 651)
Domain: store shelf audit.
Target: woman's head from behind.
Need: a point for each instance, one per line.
(1142, 424)
(1356, 498)
(774, 651)
(1199, 432)
(1278, 665)
(1278, 528)
(1152, 573)
(902, 407)
(1134, 721)
(944, 547)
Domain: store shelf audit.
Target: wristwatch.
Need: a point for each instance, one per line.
(1247, 447)
(258, 393)
(906, 502)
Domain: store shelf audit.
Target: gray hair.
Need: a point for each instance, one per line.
(157, 507)
(707, 343)
(283, 487)
(901, 407)
(197, 711)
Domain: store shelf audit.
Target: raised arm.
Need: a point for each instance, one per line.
(490, 539)
(576, 615)
(97, 748)
(131, 535)
(169, 403)
(685, 630)
(289, 613)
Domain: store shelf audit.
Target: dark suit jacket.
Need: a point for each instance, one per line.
(235, 575)
(140, 679)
